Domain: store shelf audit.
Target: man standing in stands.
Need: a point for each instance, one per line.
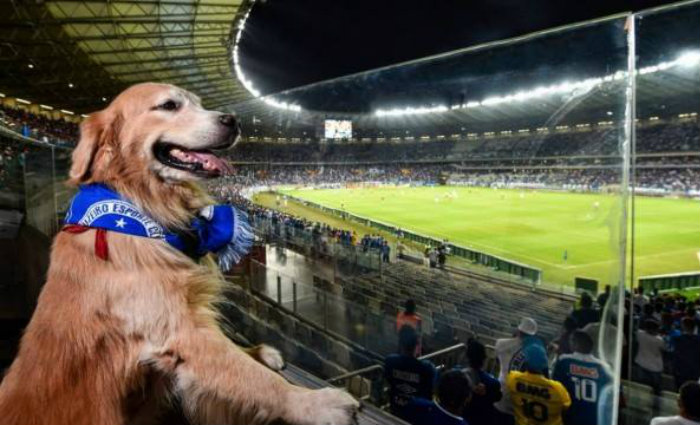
(433, 257)
(486, 390)
(409, 317)
(649, 363)
(510, 353)
(400, 248)
(686, 353)
(603, 297)
(386, 251)
(640, 300)
(442, 254)
(407, 376)
(563, 344)
(537, 400)
(688, 407)
(453, 394)
(588, 381)
(587, 313)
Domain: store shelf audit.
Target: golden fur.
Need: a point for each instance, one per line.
(112, 341)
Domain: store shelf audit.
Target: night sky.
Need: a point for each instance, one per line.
(290, 43)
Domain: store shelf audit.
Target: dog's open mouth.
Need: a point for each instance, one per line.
(201, 162)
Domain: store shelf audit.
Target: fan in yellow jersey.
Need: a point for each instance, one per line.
(537, 400)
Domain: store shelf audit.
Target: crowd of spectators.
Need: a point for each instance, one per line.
(558, 160)
(666, 334)
(522, 394)
(676, 137)
(662, 137)
(11, 159)
(320, 235)
(574, 386)
(677, 180)
(593, 178)
(341, 174)
(39, 127)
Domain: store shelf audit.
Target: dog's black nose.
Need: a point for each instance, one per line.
(228, 120)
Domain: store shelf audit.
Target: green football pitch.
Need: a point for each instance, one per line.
(564, 234)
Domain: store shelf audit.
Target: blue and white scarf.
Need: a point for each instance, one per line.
(220, 229)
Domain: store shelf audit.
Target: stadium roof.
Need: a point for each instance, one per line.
(576, 75)
(77, 54)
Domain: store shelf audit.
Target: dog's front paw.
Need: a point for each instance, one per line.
(270, 357)
(328, 406)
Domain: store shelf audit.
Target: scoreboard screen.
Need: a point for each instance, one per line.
(338, 129)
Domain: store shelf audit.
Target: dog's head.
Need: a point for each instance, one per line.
(153, 131)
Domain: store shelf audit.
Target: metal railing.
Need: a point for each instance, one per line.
(372, 376)
(320, 303)
(317, 245)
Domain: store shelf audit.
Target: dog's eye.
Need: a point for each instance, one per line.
(169, 105)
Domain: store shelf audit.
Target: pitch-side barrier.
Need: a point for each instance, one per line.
(523, 273)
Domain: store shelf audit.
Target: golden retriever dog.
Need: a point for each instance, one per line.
(112, 340)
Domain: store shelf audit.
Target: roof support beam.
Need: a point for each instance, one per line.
(165, 19)
(169, 47)
(232, 5)
(165, 59)
(158, 35)
(195, 67)
(206, 79)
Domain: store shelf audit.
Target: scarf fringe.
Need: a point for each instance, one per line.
(241, 242)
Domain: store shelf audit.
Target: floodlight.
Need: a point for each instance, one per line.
(689, 59)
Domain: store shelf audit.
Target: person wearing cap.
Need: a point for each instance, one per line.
(537, 400)
(509, 352)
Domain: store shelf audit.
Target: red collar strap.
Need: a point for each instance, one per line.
(101, 248)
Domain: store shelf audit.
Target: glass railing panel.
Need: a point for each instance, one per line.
(39, 184)
(318, 300)
(63, 192)
(487, 185)
(29, 191)
(11, 170)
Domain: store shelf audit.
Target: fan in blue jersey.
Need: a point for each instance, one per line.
(407, 376)
(453, 395)
(588, 380)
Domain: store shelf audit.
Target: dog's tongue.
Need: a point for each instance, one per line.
(211, 162)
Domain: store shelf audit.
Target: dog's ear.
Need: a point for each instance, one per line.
(98, 129)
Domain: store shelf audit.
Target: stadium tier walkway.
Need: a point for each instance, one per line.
(362, 306)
